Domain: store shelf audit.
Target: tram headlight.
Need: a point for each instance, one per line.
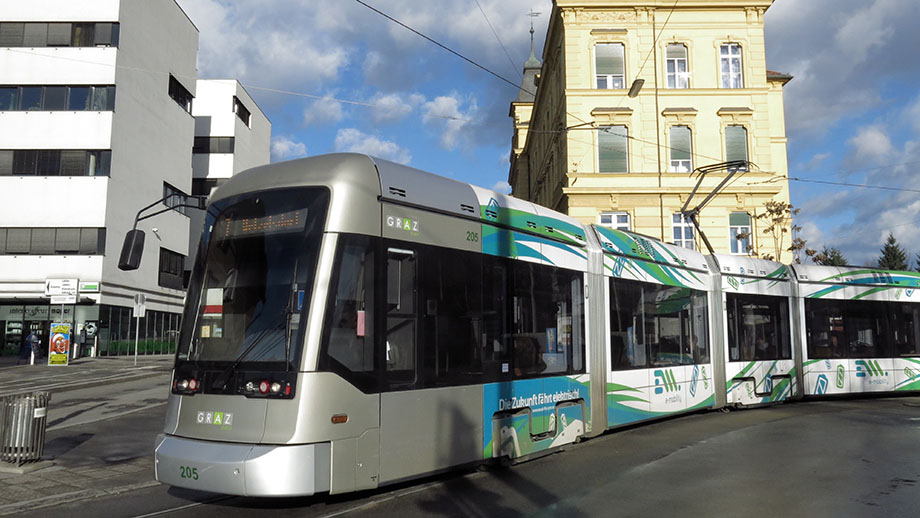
(182, 385)
(276, 387)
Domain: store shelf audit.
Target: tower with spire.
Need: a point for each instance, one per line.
(522, 109)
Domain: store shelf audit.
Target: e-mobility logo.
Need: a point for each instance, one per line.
(868, 366)
(876, 374)
(841, 376)
(821, 386)
(664, 380)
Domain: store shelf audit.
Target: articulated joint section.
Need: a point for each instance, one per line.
(243, 469)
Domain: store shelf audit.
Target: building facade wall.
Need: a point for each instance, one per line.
(216, 117)
(144, 132)
(648, 192)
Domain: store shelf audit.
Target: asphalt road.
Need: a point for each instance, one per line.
(815, 459)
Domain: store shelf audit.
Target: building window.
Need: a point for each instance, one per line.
(203, 186)
(52, 241)
(676, 62)
(609, 65)
(57, 98)
(613, 149)
(40, 34)
(681, 151)
(739, 232)
(55, 162)
(179, 94)
(615, 220)
(170, 271)
(213, 145)
(241, 111)
(683, 232)
(730, 60)
(174, 198)
(736, 143)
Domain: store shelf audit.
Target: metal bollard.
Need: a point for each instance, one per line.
(23, 419)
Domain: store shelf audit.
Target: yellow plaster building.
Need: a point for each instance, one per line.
(587, 143)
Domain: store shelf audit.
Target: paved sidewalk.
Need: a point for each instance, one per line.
(66, 476)
(81, 373)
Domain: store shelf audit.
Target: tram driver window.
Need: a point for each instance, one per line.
(349, 335)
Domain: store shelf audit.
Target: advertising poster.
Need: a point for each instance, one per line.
(59, 343)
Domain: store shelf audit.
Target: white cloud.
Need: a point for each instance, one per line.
(841, 53)
(445, 114)
(870, 145)
(353, 140)
(502, 187)
(323, 111)
(816, 161)
(265, 42)
(393, 107)
(284, 148)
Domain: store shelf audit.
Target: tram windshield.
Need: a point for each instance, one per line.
(253, 278)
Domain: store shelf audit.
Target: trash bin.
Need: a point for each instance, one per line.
(23, 418)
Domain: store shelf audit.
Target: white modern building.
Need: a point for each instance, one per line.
(231, 135)
(96, 122)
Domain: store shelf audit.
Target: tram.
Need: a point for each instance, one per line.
(351, 323)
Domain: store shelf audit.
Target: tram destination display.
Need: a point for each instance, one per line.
(239, 226)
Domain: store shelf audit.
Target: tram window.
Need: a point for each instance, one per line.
(451, 327)
(866, 325)
(824, 328)
(758, 327)
(548, 321)
(401, 318)
(905, 328)
(628, 349)
(349, 336)
(656, 325)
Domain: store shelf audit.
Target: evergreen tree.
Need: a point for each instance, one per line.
(893, 256)
(831, 256)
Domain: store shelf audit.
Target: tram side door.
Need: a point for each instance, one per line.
(402, 425)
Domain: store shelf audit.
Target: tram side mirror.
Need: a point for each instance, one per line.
(132, 250)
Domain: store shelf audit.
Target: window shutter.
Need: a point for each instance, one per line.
(11, 34)
(735, 143)
(739, 219)
(680, 143)
(18, 240)
(58, 34)
(6, 163)
(67, 240)
(609, 58)
(612, 153)
(35, 35)
(676, 51)
(89, 238)
(103, 34)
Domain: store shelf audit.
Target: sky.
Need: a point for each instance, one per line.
(336, 76)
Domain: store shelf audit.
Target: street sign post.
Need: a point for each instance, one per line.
(140, 310)
(61, 291)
